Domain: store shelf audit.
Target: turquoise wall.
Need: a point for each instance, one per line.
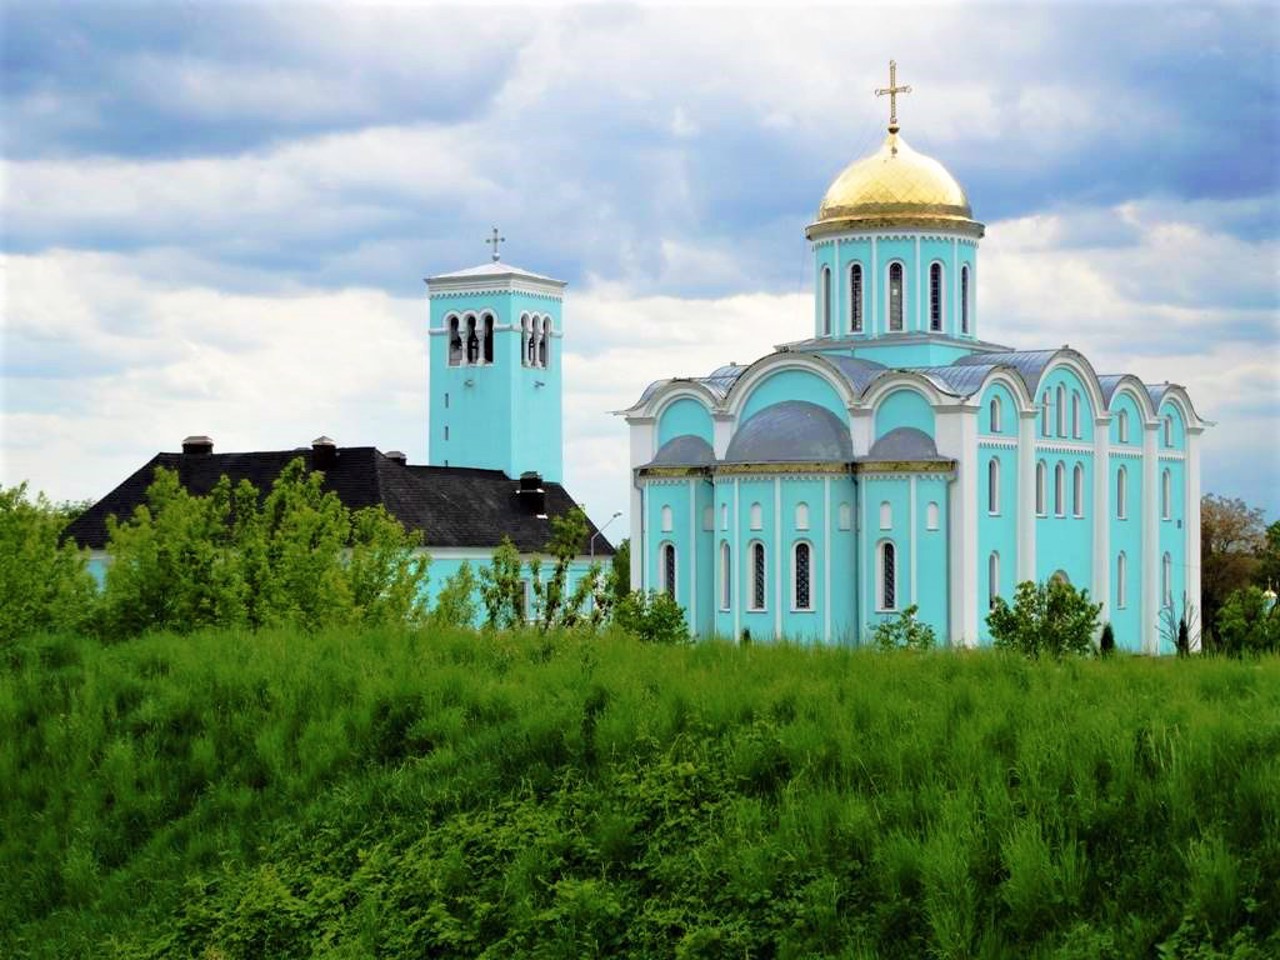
(1125, 535)
(904, 407)
(997, 533)
(1071, 385)
(1008, 412)
(932, 556)
(793, 385)
(685, 416)
(1125, 402)
(751, 490)
(1065, 542)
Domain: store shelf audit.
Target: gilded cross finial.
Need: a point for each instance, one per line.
(893, 90)
(493, 242)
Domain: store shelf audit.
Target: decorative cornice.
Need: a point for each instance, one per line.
(480, 289)
(904, 467)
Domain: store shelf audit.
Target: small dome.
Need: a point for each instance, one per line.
(904, 443)
(791, 432)
(894, 186)
(685, 450)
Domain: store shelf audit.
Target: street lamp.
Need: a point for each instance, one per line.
(600, 531)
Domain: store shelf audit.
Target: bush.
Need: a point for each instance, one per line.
(1249, 623)
(43, 586)
(904, 632)
(1049, 618)
(653, 618)
(1107, 642)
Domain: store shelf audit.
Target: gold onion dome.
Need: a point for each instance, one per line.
(895, 186)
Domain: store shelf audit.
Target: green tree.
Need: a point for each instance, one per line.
(620, 571)
(43, 585)
(1231, 538)
(1107, 642)
(1249, 623)
(501, 588)
(558, 607)
(1267, 574)
(456, 603)
(1048, 618)
(904, 632)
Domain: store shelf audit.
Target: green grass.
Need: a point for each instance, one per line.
(394, 794)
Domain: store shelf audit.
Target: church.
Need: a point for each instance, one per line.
(495, 455)
(893, 458)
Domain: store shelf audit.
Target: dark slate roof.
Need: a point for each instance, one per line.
(452, 506)
(789, 432)
(685, 450)
(904, 443)
(859, 372)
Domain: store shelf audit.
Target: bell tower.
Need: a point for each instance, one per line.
(496, 333)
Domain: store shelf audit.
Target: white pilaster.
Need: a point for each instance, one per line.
(921, 293)
(692, 554)
(643, 579)
(861, 535)
(913, 536)
(1026, 565)
(637, 532)
(958, 439)
(1150, 502)
(874, 314)
(737, 594)
(1192, 514)
(722, 425)
(777, 558)
(828, 534)
(1102, 515)
(861, 425)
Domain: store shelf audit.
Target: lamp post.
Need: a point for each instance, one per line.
(592, 545)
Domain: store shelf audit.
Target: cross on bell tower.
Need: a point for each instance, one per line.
(493, 242)
(893, 90)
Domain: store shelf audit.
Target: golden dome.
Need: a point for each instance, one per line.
(895, 186)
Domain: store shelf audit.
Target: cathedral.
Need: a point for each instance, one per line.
(894, 458)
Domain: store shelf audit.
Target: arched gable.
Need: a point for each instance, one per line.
(1007, 388)
(1071, 367)
(903, 406)
(781, 377)
(682, 414)
(1172, 410)
(658, 395)
(1131, 400)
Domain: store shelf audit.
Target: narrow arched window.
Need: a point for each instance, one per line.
(524, 340)
(1168, 431)
(1122, 581)
(758, 582)
(1166, 494)
(964, 299)
(888, 580)
(473, 342)
(488, 338)
(544, 342)
(803, 577)
(757, 517)
(533, 341)
(886, 515)
(802, 516)
(669, 570)
(455, 343)
(1077, 490)
(1060, 489)
(1122, 426)
(855, 298)
(931, 516)
(726, 576)
(1166, 581)
(826, 301)
(1040, 485)
(993, 578)
(1044, 414)
(708, 518)
(896, 310)
(935, 296)
(993, 485)
(845, 516)
(667, 525)
(1060, 399)
(724, 516)
(1075, 414)
(1122, 494)
(996, 415)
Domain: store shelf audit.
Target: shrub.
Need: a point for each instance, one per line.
(653, 618)
(1107, 642)
(1249, 624)
(904, 632)
(1051, 618)
(456, 604)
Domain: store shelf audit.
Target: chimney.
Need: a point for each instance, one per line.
(324, 453)
(194, 445)
(398, 456)
(530, 495)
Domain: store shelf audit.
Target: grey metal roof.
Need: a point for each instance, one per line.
(859, 372)
(1156, 392)
(791, 431)
(1108, 386)
(960, 381)
(904, 443)
(685, 450)
(1030, 364)
(493, 269)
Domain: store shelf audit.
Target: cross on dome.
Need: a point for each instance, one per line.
(893, 90)
(494, 241)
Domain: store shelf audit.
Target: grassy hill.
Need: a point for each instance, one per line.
(407, 794)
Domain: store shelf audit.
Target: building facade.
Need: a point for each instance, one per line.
(894, 458)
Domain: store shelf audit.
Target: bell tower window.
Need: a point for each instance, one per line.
(855, 298)
(826, 301)
(964, 299)
(935, 297)
(488, 338)
(455, 343)
(895, 296)
(473, 342)
(544, 345)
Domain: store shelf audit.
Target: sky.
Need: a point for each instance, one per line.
(217, 217)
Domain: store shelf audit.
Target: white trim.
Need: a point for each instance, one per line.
(1191, 490)
(828, 536)
(1026, 555)
(1102, 518)
(913, 535)
(693, 554)
(921, 322)
(873, 275)
(777, 559)
(1150, 623)
(737, 559)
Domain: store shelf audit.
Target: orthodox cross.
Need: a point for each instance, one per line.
(893, 90)
(494, 241)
